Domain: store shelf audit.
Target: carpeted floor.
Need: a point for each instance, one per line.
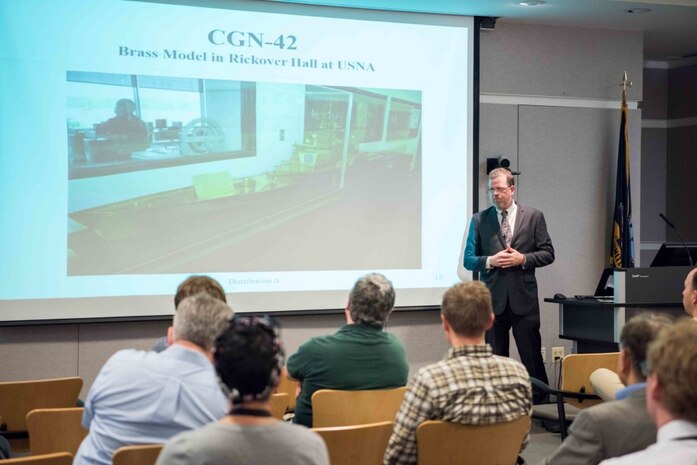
(542, 444)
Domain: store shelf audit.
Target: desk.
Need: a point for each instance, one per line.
(594, 326)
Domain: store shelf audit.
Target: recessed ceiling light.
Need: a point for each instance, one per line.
(638, 11)
(532, 3)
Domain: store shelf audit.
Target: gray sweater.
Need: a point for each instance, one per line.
(218, 443)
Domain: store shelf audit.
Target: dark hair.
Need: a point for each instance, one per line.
(197, 284)
(637, 334)
(249, 358)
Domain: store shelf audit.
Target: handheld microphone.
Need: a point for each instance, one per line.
(687, 250)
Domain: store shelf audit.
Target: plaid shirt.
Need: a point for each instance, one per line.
(470, 386)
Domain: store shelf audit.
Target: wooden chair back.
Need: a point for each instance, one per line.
(331, 407)
(60, 458)
(290, 387)
(137, 455)
(576, 372)
(279, 404)
(442, 443)
(18, 398)
(358, 444)
(55, 430)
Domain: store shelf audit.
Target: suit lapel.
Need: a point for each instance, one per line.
(493, 223)
(519, 218)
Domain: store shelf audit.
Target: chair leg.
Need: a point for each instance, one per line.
(562, 417)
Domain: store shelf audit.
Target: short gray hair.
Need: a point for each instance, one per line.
(371, 300)
(200, 319)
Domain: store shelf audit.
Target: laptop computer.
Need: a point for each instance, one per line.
(605, 290)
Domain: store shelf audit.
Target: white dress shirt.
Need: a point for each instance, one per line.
(672, 447)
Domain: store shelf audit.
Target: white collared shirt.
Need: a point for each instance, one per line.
(672, 447)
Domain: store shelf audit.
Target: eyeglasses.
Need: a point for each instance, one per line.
(498, 190)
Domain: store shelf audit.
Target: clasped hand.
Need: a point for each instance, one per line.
(507, 258)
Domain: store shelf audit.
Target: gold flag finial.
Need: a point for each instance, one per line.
(625, 84)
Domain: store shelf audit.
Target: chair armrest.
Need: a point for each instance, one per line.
(542, 385)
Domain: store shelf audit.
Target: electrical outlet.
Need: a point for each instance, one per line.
(557, 353)
(544, 355)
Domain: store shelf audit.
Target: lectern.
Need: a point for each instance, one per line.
(594, 325)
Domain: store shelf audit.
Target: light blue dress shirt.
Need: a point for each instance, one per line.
(629, 390)
(147, 397)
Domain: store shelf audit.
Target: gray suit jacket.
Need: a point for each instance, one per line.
(517, 284)
(607, 430)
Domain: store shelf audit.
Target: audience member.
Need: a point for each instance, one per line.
(193, 285)
(616, 428)
(5, 450)
(671, 398)
(689, 294)
(361, 355)
(605, 382)
(147, 397)
(471, 385)
(249, 360)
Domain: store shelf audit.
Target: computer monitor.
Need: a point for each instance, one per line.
(675, 254)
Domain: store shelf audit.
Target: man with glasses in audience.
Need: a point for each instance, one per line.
(505, 244)
(671, 398)
(616, 428)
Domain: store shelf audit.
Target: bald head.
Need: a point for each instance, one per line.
(689, 294)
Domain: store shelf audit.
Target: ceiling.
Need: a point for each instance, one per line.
(670, 28)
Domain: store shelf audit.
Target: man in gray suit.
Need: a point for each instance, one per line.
(616, 428)
(505, 244)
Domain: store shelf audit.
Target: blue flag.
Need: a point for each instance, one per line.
(622, 245)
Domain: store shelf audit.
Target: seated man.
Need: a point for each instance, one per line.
(471, 385)
(689, 294)
(606, 383)
(619, 427)
(147, 397)
(361, 355)
(193, 285)
(671, 398)
(249, 360)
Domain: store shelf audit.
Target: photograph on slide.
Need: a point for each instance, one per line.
(190, 175)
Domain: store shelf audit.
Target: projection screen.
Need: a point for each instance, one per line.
(284, 150)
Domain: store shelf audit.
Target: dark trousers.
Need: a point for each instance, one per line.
(526, 332)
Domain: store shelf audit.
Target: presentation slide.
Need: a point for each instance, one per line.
(284, 150)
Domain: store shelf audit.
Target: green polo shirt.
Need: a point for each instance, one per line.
(356, 357)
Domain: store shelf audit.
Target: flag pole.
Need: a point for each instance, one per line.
(622, 243)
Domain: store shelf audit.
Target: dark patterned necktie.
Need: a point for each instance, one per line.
(506, 228)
